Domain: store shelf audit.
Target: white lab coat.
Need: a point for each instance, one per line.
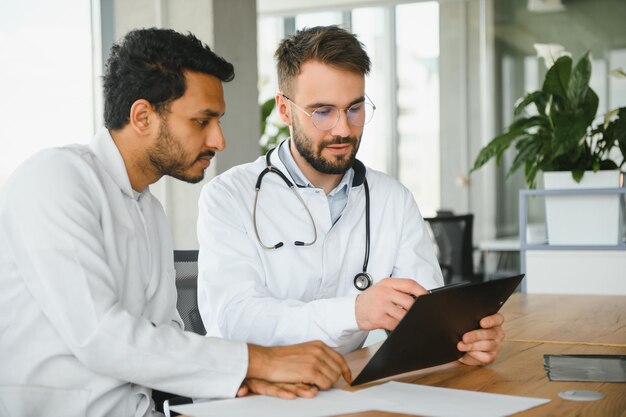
(296, 294)
(87, 296)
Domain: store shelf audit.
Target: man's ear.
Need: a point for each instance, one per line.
(283, 109)
(143, 117)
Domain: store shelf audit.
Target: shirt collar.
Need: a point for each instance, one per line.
(285, 156)
(105, 149)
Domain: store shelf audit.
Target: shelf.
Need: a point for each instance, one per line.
(577, 268)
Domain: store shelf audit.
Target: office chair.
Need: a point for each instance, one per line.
(452, 236)
(186, 264)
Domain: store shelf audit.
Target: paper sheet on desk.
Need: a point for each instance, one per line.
(446, 402)
(326, 403)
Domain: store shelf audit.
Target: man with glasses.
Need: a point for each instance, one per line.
(306, 243)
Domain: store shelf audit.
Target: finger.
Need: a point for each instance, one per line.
(262, 387)
(322, 380)
(321, 374)
(301, 390)
(326, 364)
(482, 346)
(388, 322)
(395, 313)
(340, 361)
(402, 299)
(469, 360)
(327, 376)
(243, 390)
(478, 358)
(483, 334)
(405, 285)
(494, 320)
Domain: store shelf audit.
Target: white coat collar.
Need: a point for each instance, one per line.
(105, 149)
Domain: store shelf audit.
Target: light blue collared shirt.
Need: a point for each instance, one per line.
(337, 198)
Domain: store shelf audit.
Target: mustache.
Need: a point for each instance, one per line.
(207, 153)
(341, 140)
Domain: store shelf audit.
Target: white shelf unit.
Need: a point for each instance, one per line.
(571, 269)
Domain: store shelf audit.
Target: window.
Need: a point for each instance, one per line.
(417, 40)
(46, 77)
(403, 44)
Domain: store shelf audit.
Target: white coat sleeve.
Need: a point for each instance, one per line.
(232, 296)
(416, 255)
(54, 219)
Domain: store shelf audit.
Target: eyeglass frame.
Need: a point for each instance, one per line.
(338, 111)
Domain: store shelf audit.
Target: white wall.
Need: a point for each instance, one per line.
(229, 28)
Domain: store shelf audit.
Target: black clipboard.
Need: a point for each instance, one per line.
(430, 330)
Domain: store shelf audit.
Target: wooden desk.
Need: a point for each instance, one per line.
(592, 319)
(567, 324)
(517, 371)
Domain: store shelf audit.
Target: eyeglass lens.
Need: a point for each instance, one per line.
(326, 117)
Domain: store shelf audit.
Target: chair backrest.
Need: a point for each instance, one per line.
(186, 264)
(453, 242)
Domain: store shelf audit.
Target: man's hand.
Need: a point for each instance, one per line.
(384, 304)
(311, 363)
(482, 345)
(276, 389)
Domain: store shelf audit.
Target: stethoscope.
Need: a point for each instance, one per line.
(362, 280)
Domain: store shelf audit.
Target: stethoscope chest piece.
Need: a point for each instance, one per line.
(363, 281)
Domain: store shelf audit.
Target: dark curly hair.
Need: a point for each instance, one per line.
(149, 64)
(330, 45)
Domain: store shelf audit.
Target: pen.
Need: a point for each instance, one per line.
(445, 287)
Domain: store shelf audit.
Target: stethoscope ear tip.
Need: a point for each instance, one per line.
(278, 245)
(298, 243)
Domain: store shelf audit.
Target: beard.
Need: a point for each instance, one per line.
(313, 153)
(168, 157)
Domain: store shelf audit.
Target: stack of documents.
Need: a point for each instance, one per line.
(394, 397)
(594, 368)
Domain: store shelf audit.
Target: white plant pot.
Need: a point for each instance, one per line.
(584, 219)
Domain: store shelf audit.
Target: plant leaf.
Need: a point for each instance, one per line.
(535, 97)
(618, 72)
(267, 107)
(590, 106)
(526, 123)
(526, 148)
(615, 131)
(569, 129)
(579, 82)
(557, 78)
(496, 148)
(577, 174)
(607, 164)
(609, 115)
(530, 173)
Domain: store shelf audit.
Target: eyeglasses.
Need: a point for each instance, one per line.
(326, 117)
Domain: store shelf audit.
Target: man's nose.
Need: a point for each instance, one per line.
(215, 139)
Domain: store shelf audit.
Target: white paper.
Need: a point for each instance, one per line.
(326, 403)
(445, 402)
(395, 397)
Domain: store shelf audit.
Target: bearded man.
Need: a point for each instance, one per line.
(88, 320)
(306, 243)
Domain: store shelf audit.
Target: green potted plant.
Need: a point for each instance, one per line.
(272, 130)
(557, 131)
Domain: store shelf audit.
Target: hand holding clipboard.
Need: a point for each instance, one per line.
(433, 326)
